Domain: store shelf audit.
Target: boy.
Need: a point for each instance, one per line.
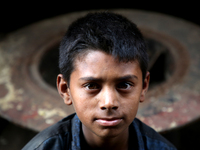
(103, 64)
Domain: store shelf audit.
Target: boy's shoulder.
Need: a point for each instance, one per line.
(149, 138)
(49, 136)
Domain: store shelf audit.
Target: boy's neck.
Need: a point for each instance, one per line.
(117, 143)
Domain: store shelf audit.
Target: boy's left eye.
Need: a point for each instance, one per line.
(92, 86)
(124, 85)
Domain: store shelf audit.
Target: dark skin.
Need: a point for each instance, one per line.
(105, 94)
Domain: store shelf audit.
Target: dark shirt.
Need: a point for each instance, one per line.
(67, 135)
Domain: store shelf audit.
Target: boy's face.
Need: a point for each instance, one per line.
(105, 93)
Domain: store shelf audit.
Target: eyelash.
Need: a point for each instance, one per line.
(129, 84)
(94, 84)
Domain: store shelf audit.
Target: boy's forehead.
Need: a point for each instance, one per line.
(94, 63)
(93, 56)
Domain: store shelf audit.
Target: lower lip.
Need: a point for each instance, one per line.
(108, 123)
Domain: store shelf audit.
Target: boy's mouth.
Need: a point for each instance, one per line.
(107, 122)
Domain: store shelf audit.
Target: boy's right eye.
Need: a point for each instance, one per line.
(92, 86)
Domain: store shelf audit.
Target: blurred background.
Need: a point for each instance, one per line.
(16, 15)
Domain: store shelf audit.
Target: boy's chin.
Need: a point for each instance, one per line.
(108, 133)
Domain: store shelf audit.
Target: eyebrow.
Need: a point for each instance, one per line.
(127, 77)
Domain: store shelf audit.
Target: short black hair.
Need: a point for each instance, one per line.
(105, 31)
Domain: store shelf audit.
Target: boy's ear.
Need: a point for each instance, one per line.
(63, 89)
(145, 87)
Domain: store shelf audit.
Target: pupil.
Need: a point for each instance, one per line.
(123, 85)
(93, 86)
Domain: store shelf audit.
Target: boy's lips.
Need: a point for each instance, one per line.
(109, 122)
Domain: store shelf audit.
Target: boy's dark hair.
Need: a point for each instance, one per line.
(104, 31)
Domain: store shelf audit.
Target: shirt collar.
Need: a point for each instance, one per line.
(138, 134)
(76, 134)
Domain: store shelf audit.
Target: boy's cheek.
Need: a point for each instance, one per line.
(83, 103)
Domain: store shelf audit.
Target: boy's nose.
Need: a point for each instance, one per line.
(109, 99)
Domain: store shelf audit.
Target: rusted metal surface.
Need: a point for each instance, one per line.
(26, 99)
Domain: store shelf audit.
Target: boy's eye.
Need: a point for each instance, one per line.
(124, 85)
(92, 86)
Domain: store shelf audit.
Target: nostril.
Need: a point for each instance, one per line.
(114, 108)
(103, 108)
